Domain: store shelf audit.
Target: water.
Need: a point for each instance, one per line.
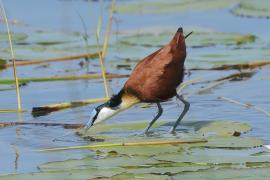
(17, 143)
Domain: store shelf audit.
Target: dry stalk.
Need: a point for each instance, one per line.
(13, 58)
(246, 105)
(123, 144)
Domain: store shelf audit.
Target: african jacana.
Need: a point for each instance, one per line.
(154, 80)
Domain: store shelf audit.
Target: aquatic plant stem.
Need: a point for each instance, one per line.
(44, 110)
(148, 143)
(101, 60)
(251, 65)
(56, 59)
(245, 105)
(61, 78)
(102, 54)
(66, 126)
(13, 59)
(9, 111)
(107, 36)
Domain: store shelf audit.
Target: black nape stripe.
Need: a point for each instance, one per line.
(116, 99)
(113, 102)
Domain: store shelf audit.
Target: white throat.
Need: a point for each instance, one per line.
(106, 113)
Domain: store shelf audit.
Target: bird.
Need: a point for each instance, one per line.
(154, 80)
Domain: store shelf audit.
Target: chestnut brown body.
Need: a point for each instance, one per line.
(156, 77)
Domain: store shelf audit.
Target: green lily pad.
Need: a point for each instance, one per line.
(45, 45)
(103, 129)
(90, 173)
(104, 163)
(197, 39)
(171, 6)
(16, 37)
(53, 38)
(224, 128)
(233, 142)
(145, 151)
(175, 169)
(250, 8)
(207, 48)
(226, 173)
(215, 157)
(220, 56)
(222, 150)
(34, 51)
(131, 176)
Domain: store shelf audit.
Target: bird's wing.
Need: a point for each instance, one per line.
(148, 72)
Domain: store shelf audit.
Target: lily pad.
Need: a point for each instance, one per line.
(197, 39)
(16, 37)
(174, 169)
(250, 8)
(131, 176)
(233, 142)
(90, 173)
(226, 173)
(154, 7)
(34, 51)
(145, 151)
(46, 44)
(224, 128)
(104, 163)
(215, 157)
(53, 38)
(110, 129)
(206, 48)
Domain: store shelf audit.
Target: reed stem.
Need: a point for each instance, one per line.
(149, 143)
(13, 58)
(101, 59)
(102, 54)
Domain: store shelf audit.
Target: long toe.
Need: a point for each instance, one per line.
(172, 130)
(146, 131)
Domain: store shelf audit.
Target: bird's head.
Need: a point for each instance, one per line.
(179, 37)
(116, 104)
(177, 43)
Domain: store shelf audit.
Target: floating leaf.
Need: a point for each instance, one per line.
(109, 128)
(207, 48)
(197, 39)
(104, 163)
(60, 78)
(174, 169)
(251, 8)
(131, 176)
(45, 38)
(90, 173)
(233, 142)
(215, 157)
(171, 6)
(15, 36)
(226, 173)
(224, 128)
(145, 151)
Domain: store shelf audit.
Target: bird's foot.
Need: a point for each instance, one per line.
(172, 131)
(146, 132)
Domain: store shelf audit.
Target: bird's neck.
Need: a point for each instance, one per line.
(128, 100)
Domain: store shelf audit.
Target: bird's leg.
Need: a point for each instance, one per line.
(160, 111)
(186, 108)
